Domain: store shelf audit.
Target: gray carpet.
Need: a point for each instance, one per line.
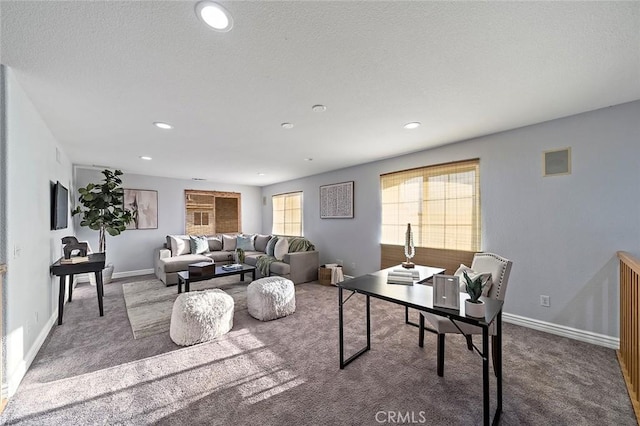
(285, 372)
(149, 303)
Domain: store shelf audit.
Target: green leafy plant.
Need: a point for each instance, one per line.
(240, 256)
(474, 287)
(103, 207)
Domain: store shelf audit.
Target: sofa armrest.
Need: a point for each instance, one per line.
(304, 265)
(162, 253)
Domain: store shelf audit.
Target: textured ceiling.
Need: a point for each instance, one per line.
(101, 72)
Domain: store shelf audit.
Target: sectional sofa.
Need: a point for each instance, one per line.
(297, 258)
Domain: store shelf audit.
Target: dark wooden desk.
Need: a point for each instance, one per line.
(64, 270)
(420, 297)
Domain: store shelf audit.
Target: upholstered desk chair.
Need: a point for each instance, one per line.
(500, 268)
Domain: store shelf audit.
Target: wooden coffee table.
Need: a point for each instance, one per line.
(183, 276)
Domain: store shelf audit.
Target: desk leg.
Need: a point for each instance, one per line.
(70, 286)
(253, 275)
(343, 362)
(498, 367)
(100, 291)
(485, 375)
(187, 288)
(63, 280)
(340, 328)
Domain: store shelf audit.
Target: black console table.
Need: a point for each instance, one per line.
(95, 264)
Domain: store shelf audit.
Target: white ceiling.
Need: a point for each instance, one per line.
(101, 72)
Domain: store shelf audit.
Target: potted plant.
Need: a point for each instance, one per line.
(103, 211)
(473, 306)
(240, 256)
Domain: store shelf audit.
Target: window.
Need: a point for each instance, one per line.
(441, 202)
(287, 214)
(201, 218)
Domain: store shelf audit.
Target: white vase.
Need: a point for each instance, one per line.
(473, 309)
(107, 274)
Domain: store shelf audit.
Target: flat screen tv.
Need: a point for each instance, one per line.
(59, 206)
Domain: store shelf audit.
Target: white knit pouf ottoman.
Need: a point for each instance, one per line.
(200, 316)
(270, 298)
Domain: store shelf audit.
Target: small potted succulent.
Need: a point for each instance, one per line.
(473, 305)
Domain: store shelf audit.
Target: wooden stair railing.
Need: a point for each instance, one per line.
(629, 352)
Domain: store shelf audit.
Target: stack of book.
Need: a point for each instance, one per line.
(232, 267)
(73, 260)
(403, 276)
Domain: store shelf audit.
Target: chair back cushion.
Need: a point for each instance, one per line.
(498, 267)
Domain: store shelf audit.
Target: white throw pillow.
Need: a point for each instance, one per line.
(281, 248)
(179, 245)
(473, 275)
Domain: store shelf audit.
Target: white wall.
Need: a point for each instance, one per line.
(132, 251)
(561, 232)
(30, 292)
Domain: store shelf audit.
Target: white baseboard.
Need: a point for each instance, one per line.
(564, 331)
(84, 278)
(13, 381)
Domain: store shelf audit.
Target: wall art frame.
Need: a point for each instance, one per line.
(446, 291)
(336, 200)
(145, 203)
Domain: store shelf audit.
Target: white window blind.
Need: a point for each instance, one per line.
(441, 202)
(287, 214)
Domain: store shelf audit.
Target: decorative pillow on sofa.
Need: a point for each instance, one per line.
(245, 242)
(473, 275)
(228, 242)
(271, 245)
(261, 241)
(281, 248)
(179, 244)
(198, 244)
(215, 243)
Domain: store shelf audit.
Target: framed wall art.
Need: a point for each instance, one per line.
(145, 203)
(336, 201)
(446, 291)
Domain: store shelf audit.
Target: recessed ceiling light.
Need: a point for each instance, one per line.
(308, 159)
(260, 174)
(319, 108)
(163, 126)
(144, 157)
(198, 178)
(287, 126)
(214, 15)
(412, 125)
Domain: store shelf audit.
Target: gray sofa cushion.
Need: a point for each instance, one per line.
(260, 242)
(228, 242)
(215, 243)
(181, 263)
(220, 256)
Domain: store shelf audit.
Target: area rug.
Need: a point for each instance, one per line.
(149, 303)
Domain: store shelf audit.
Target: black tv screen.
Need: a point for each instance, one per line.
(59, 206)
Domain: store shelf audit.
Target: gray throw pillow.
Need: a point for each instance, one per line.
(215, 243)
(281, 248)
(228, 242)
(261, 242)
(271, 245)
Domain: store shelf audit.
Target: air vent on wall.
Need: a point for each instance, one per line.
(557, 162)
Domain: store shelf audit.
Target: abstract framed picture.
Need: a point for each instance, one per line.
(145, 203)
(446, 291)
(336, 201)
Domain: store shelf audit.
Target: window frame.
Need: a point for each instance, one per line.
(284, 227)
(417, 186)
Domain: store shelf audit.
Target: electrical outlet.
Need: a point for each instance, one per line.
(339, 262)
(545, 301)
(37, 319)
(353, 265)
(16, 251)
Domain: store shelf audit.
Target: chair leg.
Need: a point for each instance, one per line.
(441, 354)
(421, 335)
(469, 341)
